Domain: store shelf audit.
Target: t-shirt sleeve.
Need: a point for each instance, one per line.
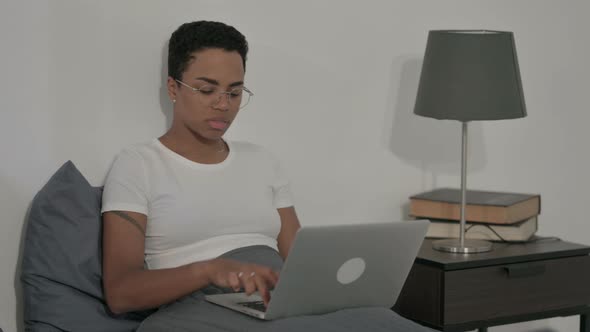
(281, 187)
(126, 187)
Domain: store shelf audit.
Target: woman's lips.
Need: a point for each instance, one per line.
(218, 124)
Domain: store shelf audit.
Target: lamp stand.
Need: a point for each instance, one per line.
(461, 245)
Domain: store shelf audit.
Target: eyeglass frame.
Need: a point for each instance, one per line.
(227, 93)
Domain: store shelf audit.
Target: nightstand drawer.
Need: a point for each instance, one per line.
(513, 289)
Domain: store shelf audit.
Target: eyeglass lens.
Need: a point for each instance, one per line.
(212, 96)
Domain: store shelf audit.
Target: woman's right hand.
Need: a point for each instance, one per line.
(237, 275)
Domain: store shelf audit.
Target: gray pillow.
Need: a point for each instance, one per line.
(61, 268)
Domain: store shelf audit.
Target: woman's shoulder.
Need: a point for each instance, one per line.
(141, 147)
(138, 151)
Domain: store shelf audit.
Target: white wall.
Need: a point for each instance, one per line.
(335, 83)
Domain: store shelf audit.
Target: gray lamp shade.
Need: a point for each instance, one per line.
(470, 75)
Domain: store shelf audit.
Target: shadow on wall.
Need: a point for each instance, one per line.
(165, 102)
(433, 146)
(9, 189)
(18, 289)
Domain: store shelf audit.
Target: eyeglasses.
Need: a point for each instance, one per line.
(209, 95)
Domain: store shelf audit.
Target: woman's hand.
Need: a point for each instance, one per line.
(251, 277)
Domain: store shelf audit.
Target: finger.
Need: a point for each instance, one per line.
(234, 281)
(248, 282)
(262, 287)
(270, 276)
(274, 277)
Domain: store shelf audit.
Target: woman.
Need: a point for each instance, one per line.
(190, 213)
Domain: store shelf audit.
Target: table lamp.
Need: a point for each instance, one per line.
(469, 75)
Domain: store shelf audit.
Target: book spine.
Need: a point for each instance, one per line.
(475, 213)
(519, 232)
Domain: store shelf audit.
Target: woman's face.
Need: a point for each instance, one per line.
(204, 113)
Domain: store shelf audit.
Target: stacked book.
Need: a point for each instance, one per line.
(489, 215)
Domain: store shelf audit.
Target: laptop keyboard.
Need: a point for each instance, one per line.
(256, 305)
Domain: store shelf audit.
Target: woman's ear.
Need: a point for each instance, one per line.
(172, 88)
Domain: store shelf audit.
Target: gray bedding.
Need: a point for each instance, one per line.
(193, 313)
(61, 266)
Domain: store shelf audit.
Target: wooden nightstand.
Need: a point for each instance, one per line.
(513, 283)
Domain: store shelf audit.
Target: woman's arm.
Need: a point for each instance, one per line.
(289, 226)
(128, 286)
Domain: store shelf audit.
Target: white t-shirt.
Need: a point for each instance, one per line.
(198, 211)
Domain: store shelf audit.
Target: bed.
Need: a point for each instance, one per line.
(62, 279)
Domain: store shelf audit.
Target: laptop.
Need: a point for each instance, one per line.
(334, 267)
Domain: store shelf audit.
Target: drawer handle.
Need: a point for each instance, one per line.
(524, 270)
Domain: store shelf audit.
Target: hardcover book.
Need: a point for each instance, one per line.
(521, 231)
(481, 206)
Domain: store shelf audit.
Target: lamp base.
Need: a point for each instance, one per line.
(468, 247)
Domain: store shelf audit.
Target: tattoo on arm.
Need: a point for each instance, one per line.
(131, 220)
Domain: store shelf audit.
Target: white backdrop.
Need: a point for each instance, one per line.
(335, 84)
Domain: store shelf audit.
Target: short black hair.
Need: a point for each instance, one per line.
(200, 35)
